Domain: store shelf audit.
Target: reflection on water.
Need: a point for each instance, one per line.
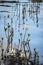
(23, 13)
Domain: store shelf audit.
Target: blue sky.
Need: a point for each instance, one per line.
(36, 33)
